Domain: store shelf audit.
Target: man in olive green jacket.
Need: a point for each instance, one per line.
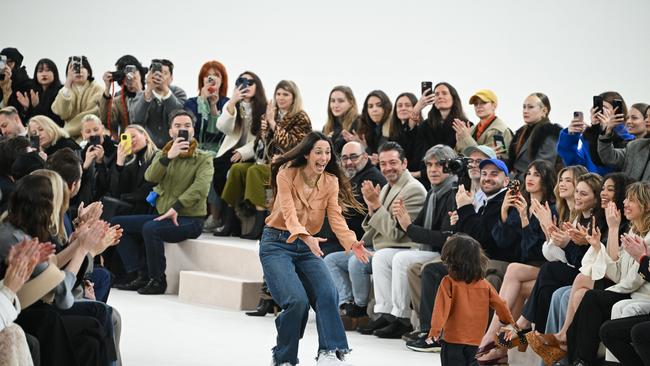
(182, 174)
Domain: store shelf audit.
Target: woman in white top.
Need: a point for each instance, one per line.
(581, 334)
(240, 122)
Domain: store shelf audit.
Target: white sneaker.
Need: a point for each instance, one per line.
(210, 224)
(330, 359)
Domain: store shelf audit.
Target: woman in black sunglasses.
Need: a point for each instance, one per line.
(240, 123)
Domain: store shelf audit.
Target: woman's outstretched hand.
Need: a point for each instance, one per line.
(360, 251)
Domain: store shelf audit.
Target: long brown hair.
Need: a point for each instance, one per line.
(30, 206)
(349, 117)
(564, 213)
(295, 158)
(465, 259)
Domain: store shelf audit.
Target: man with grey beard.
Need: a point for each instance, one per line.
(358, 168)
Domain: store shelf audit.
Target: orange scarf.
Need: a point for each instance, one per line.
(188, 154)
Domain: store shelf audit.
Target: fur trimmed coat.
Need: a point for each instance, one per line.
(541, 143)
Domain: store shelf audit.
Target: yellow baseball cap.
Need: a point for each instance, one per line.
(485, 95)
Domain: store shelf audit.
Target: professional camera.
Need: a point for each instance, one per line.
(118, 76)
(456, 166)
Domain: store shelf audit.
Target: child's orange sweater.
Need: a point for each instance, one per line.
(462, 310)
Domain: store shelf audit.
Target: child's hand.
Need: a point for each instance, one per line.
(431, 340)
(510, 331)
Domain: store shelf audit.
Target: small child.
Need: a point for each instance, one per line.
(462, 303)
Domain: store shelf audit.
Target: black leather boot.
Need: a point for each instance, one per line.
(155, 286)
(227, 218)
(266, 306)
(258, 226)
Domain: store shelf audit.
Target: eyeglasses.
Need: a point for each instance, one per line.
(474, 161)
(353, 158)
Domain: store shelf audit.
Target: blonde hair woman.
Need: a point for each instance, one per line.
(51, 137)
(127, 181)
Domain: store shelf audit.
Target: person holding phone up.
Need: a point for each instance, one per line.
(490, 131)
(578, 143)
(98, 155)
(151, 108)
(78, 97)
(182, 174)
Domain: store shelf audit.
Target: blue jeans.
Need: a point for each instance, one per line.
(297, 279)
(142, 247)
(351, 277)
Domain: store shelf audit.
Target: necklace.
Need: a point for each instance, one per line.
(309, 183)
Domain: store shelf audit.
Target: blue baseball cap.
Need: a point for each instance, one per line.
(496, 162)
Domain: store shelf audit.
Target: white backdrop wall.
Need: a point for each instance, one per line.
(569, 50)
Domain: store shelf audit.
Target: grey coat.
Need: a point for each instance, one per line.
(633, 160)
(154, 114)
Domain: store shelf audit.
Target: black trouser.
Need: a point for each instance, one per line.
(432, 275)
(552, 276)
(221, 166)
(628, 339)
(454, 354)
(583, 334)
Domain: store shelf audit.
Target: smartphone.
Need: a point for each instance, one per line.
(514, 186)
(3, 64)
(242, 83)
(184, 134)
(94, 140)
(125, 140)
(156, 66)
(35, 141)
(130, 70)
(427, 86)
(617, 105)
(76, 64)
(598, 103)
(577, 115)
(498, 140)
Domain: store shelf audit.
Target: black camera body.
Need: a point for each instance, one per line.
(118, 76)
(242, 83)
(456, 166)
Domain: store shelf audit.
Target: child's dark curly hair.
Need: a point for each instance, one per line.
(464, 258)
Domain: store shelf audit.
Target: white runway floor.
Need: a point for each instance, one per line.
(160, 330)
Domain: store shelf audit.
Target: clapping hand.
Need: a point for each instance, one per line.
(612, 215)
(594, 238)
(577, 234)
(89, 213)
(464, 197)
(462, 129)
(635, 246)
(21, 261)
(401, 214)
(371, 194)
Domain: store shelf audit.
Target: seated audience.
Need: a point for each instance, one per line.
(490, 130)
(536, 140)
(15, 78)
(282, 127)
(383, 232)
(39, 98)
(182, 174)
(342, 117)
(51, 137)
